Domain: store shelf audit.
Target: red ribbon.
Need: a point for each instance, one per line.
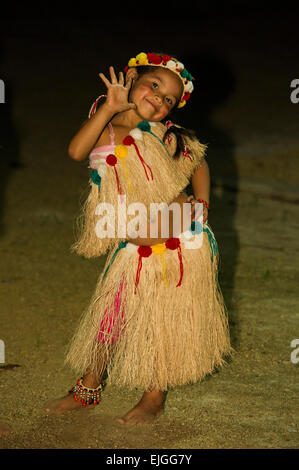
(175, 244)
(181, 266)
(144, 252)
(112, 160)
(130, 141)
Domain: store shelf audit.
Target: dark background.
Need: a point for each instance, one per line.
(244, 56)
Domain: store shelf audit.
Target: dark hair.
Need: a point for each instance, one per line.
(179, 132)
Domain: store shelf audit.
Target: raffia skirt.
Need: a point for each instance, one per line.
(158, 314)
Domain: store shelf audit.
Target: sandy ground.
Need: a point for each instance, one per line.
(252, 130)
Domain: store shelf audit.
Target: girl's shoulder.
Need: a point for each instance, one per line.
(104, 139)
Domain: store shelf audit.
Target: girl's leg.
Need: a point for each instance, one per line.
(68, 402)
(147, 409)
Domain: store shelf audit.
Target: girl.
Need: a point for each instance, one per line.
(157, 317)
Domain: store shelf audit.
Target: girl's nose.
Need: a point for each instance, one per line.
(158, 98)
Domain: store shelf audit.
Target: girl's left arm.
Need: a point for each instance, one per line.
(201, 187)
(201, 182)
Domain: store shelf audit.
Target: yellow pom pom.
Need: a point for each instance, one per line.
(181, 104)
(159, 248)
(132, 62)
(121, 151)
(142, 58)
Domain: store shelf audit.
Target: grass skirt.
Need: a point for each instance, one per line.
(161, 319)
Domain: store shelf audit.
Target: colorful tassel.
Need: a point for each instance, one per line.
(129, 140)
(159, 249)
(144, 252)
(112, 160)
(121, 152)
(175, 244)
(145, 126)
(120, 246)
(212, 242)
(95, 177)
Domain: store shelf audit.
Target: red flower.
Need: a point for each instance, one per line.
(172, 243)
(144, 251)
(126, 68)
(165, 58)
(154, 58)
(186, 96)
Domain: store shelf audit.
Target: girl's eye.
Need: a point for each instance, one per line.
(155, 85)
(169, 101)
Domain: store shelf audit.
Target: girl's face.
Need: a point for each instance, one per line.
(156, 94)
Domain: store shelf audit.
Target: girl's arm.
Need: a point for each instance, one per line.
(201, 182)
(201, 188)
(87, 136)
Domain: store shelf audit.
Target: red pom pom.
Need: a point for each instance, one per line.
(165, 58)
(126, 68)
(128, 140)
(172, 243)
(154, 58)
(111, 159)
(144, 251)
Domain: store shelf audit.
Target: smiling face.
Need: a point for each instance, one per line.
(156, 93)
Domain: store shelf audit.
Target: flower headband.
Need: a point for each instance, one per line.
(170, 63)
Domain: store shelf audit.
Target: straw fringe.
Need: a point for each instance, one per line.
(164, 335)
(170, 178)
(169, 335)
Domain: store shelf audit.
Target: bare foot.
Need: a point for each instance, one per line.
(4, 430)
(148, 409)
(68, 403)
(61, 405)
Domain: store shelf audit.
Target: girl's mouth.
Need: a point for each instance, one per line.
(152, 104)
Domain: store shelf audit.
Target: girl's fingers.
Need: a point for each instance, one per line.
(121, 78)
(112, 75)
(105, 80)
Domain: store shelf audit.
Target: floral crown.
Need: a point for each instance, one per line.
(170, 63)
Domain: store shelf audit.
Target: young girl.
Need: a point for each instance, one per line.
(157, 317)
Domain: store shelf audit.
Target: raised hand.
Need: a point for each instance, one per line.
(117, 92)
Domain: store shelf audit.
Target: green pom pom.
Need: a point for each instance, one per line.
(184, 73)
(144, 126)
(95, 177)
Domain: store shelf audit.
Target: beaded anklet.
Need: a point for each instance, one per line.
(87, 396)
